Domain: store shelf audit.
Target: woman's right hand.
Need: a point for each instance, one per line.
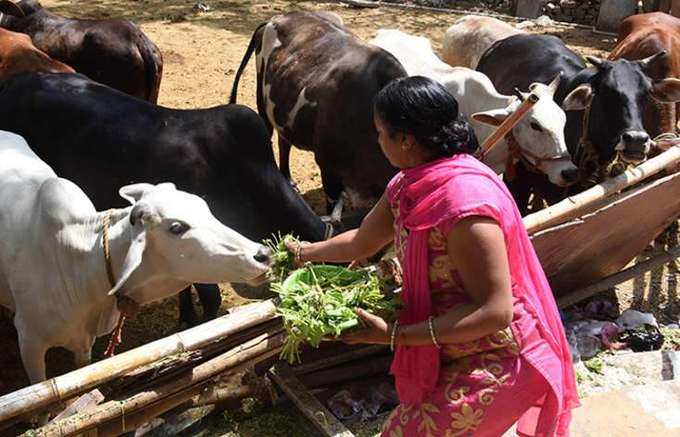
(296, 249)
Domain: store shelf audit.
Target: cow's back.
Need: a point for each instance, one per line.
(114, 52)
(641, 36)
(469, 37)
(22, 175)
(93, 112)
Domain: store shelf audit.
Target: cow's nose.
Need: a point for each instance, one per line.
(635, 139)
(263, 255)
(570, 175)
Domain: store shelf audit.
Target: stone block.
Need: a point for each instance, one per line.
(528, 8)
(612, 12)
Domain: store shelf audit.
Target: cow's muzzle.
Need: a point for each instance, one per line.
(634, 146)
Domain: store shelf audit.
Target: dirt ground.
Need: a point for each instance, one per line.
(201, 53)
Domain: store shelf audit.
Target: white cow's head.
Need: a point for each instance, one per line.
(175, 236)
(540, 134)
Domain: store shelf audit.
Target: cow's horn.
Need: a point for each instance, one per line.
(555, 83)
(647, 61)
(597, 62)
(522, 96)
(10, 8)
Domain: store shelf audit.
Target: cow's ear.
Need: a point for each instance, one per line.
(11, 8)
(666, 90)
(132, 193)
(133, 259)
(494, 117)
(579, 99)
(144, 216)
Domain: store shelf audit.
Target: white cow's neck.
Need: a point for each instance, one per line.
(83, 244)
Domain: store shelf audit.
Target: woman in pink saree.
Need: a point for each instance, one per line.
(479, 345)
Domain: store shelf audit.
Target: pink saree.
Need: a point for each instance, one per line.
(475, 384)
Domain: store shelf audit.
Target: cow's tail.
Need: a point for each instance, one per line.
(254, 41)
(153, 67)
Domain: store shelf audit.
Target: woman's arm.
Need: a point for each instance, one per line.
(375, 232)
(476, 247)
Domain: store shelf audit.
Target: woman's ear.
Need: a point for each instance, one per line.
(408, 142)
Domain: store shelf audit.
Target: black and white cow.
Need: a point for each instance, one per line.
(315, 86)
(603, 103)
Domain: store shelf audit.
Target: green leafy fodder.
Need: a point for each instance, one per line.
(318, 301)
(282, 259)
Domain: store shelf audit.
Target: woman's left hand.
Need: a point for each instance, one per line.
(375, 330)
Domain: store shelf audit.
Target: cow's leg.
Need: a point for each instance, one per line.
(33, 356)
(332, 186)
(82, 357)
(284, 158)
(187, 312)
(210, 297)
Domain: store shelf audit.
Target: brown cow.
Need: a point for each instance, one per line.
(642, 36)
(18, 54)
(113, 52)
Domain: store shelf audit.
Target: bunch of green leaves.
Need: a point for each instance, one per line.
(318, 301)
(282, 258)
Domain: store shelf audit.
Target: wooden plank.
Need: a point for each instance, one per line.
(310, 406)
(617, 278)
(89, 400)
(587, 200)
(599, 244)
(342, 358)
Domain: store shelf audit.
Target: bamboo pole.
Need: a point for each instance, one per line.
(139, 417)
(117, 416)
(570, 206)
(65, 386)
(507, 125)
(365, 352)
(160, 371)
(617, 278)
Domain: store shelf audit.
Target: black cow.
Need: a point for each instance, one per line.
(606, 99)
(113, 52)
(102, 139)
(315, 85)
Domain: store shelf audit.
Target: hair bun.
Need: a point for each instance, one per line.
(457, 136)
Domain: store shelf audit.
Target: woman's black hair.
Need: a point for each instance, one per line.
(424, 108)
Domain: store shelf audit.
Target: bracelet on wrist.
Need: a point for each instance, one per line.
(433, 335)
(393, 335)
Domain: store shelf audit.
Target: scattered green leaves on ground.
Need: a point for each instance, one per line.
(595, 364)
(671, 339)
(318, 301)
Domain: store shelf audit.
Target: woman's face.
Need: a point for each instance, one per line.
(395, 145)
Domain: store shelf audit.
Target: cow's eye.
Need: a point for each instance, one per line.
(179, 228)
(535, 126)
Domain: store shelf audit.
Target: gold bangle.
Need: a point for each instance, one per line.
(393, 336)
(298, 253)
(430, 325)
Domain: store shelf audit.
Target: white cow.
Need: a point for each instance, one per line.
(470, 36)
(540, 134)
(52, 266)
